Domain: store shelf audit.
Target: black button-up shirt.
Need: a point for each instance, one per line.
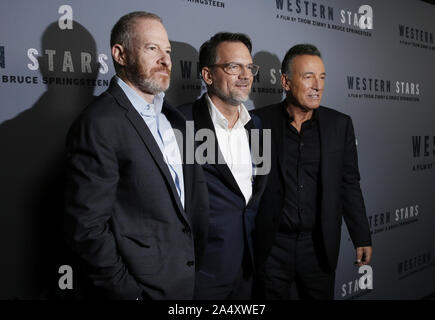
(301, 164)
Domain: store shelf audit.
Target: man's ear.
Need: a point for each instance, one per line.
(285, 82)
(207, 76)
(119, 54)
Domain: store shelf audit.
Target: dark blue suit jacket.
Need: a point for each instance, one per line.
(231, 221)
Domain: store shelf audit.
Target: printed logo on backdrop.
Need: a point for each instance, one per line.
(64, 67)
(368, 88)
(266, 88)
(423, 153)
(393, 219)
(2, 57)
(357, 20)
(410, 266)
(416, 37)
(186, 84)
(359, 286)
(206, 3)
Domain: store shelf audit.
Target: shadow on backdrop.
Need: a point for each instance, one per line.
(32, 174)
(186, 85)
(266, 88)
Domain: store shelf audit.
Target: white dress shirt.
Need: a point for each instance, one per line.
(234, 146)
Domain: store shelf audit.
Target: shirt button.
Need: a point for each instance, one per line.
(186, 231)
(190, 263)
(301, 187)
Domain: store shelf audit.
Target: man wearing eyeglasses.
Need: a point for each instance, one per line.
(225, 271)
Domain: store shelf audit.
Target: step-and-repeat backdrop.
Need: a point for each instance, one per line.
(380, 63)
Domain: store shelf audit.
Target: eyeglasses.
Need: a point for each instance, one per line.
(234, 68)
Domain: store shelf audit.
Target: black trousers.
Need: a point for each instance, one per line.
(297, 259)
(240, 289)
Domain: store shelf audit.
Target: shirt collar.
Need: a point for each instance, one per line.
(219, 119)
(314, 116)
(140, 104)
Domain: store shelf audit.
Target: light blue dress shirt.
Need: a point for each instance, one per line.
(162, 132)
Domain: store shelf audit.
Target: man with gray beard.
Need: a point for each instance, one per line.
(225, 270)
(134, 209)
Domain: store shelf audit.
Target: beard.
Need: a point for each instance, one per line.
(233, 98)
(145, 81)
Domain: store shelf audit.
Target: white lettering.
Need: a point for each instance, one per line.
(103, 65)
(343, 19)
(66, 21)
(66, 280)
(366, 19)
(67, 62)
(31, 53)
(50, 54)
(366, 280)
(272, 76)
(86, 62)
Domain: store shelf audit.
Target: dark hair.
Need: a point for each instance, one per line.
(207, 52)
(123, 30)
(298, 50)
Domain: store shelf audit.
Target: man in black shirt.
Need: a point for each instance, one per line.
(313, 183)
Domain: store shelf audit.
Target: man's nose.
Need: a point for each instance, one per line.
(165, 58)
(316, 83)
(245, 73)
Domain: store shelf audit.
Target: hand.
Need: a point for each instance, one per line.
(363, 256)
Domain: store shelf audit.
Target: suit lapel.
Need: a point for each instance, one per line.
(278, 126)
(178, 122)
(257, 179)
(324, 133)
(202, 119)
(148, 139)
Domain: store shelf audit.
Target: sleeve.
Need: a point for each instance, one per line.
(92, 178)
(354, 212)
